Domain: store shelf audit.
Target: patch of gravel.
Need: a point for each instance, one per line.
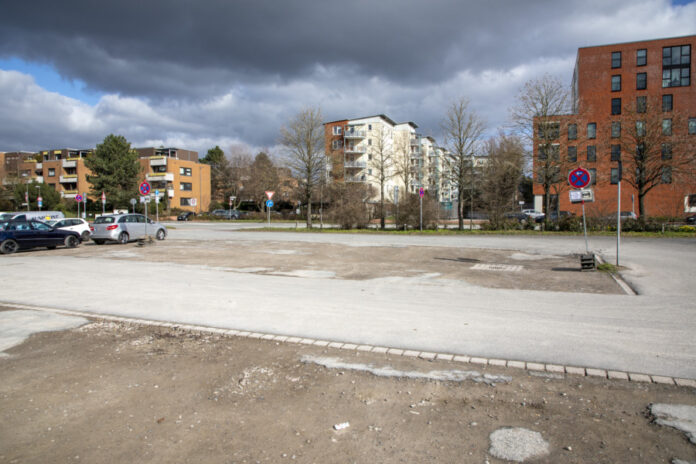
(517, 444)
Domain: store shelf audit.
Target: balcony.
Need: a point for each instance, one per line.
(360, 150)
(38, 179)
(39, 166)
(158, 161)
(355, 164)
(354, 134)
(159, 177)
(415, 142)
(68, 179)
(355, 179)
(70, 163)
(68, 193)
(170, 193)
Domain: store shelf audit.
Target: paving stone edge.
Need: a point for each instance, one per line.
(426, 355)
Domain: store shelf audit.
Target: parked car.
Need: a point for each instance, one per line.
(628, 215)
(520, 217)
(124, 228)
(536, 216)
(39, 215)
(227, 214)
(80, 226)
(23, 235)
(691, 220)
(186, 216)
(555, 216)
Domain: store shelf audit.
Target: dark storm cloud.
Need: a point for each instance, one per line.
(160, 48)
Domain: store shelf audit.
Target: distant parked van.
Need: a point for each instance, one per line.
(39, 215)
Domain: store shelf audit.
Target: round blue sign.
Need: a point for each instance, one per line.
(269, 204)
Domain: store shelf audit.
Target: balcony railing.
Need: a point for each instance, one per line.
(355, 149)
(415, 142)
(158, 161)
(39, 166)
(355, 164)
(68, 193)
(69, 163)
(68, 179)
(356, 179)
(159, 176)
(354, 134)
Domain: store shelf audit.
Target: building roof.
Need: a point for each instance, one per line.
(639, 41)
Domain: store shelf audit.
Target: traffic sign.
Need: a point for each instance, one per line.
(580, 196)
(40, 202)
(133, 201)
(269, 194)
(103, 197)
(78, 198)
(421, 192)
(144, 188)
(579, 178)
(269, 204)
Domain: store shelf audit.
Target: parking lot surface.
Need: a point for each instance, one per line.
(411, 292)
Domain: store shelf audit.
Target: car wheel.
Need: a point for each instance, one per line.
(123, 238)
(99, 242)
(8, 247)
(85, 236)
(160, 234)
(71, 241)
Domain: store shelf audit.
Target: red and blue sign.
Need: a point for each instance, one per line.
(579, 178)
(144, 188)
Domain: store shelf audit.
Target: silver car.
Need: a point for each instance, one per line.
(124, 228)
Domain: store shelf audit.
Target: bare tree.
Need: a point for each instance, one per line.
(501, 176)
(540, 116)
(653, 148)
(381, 163)
(462, 130)
(303, 139)
(239, 163)
(263, 176)
(402, 158)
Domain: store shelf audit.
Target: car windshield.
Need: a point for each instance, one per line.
(6, 216)
(105, 220)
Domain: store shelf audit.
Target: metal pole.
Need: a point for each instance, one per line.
(26, 197)
(618, 224)
(421, 214)
(78, 209)
(584, 227)
(269, 216)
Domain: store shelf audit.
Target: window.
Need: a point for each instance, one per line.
(615, 130)
(337, 130)
(615, 106)
(545, 150)
(186, 186)
(573, 154)
(337, 144)
(549, 130)
(616, 83)
(572, 131)
(591, 153)
(593, 176)
(692, 126)
(185, 171)
(369, 127)
(667, 103)
(641, 104)
(369, 142)
(185, 201)
(666, 127)
(676, 66)
(615, 59)
(51, 172)
(616, 152)
(641, 57)
(666, 175)
(640, 128)
(641, 81)
(592, 130)
(666, 150)
(614, 175)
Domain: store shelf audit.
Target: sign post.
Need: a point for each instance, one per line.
(421, 194)
(133, 202)
(78, 200)
(580, 178)
(269, 205)
(618, 214)
(103, 199)
(40, 202)
(84, 207)
(144, 190)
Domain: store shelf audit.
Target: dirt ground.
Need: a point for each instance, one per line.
(486, 268)
(110, 392)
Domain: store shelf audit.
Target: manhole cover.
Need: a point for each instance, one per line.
(496, 267)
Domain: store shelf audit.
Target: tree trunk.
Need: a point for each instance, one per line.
(309, 211)
(460, 209)
(381, 208)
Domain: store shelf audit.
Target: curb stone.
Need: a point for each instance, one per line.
(530, 366)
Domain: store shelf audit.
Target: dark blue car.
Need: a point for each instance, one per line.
(22, 235)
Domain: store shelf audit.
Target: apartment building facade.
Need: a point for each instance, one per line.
(359, 148)
(182, 181)
(634, 109)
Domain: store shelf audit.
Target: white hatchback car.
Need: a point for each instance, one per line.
(75, 224)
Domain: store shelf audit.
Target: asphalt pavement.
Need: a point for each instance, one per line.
(648, 333)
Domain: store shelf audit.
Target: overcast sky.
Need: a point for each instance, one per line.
(199, 73)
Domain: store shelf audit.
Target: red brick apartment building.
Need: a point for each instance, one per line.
(633, 103)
